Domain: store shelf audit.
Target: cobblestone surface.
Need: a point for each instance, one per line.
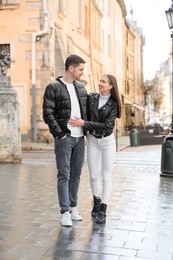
(139, 219)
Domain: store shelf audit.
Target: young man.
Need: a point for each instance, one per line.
(64, 99)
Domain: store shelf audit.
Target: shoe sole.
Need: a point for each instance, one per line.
(94, 216)
(103, 222)
(75, 219)
(66, 225)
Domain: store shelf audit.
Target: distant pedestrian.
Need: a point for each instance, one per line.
(63, 99)
(103, 109)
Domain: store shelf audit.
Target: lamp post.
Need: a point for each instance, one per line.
(169, 16)
(167, 144)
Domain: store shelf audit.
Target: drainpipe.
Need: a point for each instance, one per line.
(91, 49)
(35, 36)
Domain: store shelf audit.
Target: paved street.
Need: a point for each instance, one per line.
(139, 219)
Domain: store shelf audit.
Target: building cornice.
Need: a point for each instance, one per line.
(123, 7)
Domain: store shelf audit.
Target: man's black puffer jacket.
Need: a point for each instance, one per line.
(101, 121)
(57, 106)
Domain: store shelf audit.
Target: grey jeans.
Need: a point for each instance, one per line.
(69, 161)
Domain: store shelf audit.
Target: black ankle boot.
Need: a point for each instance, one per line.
(101, 219)
(96, 206)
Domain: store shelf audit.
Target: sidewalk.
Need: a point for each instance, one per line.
(122, 142)
(139, 223)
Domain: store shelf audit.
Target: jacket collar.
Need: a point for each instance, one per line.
(109, 102)
(60, 77)
(96, 102)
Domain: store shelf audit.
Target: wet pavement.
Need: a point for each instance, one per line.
(139, 217)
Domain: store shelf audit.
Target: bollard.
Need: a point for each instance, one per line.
(134, 137)
(167, 154)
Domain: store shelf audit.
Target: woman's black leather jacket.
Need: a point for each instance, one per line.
(101, 121)
(57, 106)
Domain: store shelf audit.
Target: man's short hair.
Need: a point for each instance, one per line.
(73, 60)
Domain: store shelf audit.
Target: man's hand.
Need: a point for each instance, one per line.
(76, 122)
(63, 137)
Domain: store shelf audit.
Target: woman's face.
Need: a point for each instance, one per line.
(105, 86)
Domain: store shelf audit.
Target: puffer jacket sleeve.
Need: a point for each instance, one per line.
(49, 106)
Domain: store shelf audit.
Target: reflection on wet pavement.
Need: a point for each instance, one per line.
(139, 219)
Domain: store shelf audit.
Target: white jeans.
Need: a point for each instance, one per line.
(104, 149)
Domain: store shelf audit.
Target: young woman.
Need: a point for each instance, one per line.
(103, 109)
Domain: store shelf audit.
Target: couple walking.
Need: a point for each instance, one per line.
(70, 114)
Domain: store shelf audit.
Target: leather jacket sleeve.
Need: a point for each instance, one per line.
(102, 119)
(108, 124)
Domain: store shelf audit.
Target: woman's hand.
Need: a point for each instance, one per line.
(76, 122)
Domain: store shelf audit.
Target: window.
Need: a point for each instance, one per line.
(86, 25)
(9, 2)
(4, 49)
(109, 45)
(103, 41)
(127, 87)
(127, 38)
(5, 59)
(62, 8)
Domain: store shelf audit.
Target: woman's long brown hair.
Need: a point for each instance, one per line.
(114, 92)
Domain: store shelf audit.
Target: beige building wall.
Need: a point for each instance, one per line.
(15, 29)
(44, 33)
(113, 30)
(40, 59)
(133, 100)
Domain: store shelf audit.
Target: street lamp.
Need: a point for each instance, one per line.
(167, 144)
(169, 16)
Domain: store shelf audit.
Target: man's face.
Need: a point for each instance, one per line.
(78, 71)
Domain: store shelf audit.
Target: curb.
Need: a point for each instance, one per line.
(38, 148)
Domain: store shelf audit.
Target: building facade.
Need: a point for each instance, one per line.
(133, 94)
(45, 32)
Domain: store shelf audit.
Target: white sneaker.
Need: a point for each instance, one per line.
(66, 219)
(75, 214)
